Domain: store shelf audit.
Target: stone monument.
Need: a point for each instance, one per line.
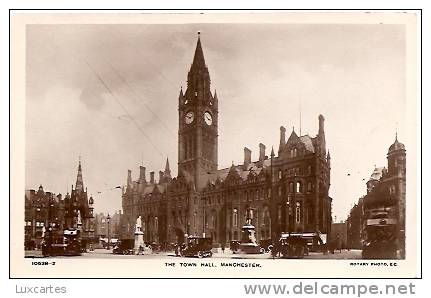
(139, 236)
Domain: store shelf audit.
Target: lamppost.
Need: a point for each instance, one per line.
(203, 217)
(108, 219)
(51, 207)
(289, 214)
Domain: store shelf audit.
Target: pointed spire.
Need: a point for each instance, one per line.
(199, 60)
(396, 131)
(329, 155)
(181, 93)
(79, 182)
(272, 152)
(215, 94)
(167, 173)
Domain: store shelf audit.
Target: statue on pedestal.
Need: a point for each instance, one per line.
(139, 236)
(138, 226)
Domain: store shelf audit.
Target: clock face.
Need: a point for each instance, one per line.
(208, 118)
(189, 117)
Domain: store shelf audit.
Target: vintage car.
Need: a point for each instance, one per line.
(124, 247)
(266, 244)
(197, 247)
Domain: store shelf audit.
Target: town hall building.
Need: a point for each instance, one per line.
(286, 191)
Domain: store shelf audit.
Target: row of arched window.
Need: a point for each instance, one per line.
(294, 171)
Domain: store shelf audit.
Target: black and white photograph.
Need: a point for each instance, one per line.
(211, 144)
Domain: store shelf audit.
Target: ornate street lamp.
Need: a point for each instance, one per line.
(108, 219)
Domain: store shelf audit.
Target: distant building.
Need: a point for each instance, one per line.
(46, 211)
(287, 192)
(101, 224)
(339, 233)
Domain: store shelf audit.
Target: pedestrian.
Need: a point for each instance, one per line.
(141, 250)
(222, 248)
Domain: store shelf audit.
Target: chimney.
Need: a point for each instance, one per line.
(152, 177)
(282, 138)
(142, 174)
(247, 157)
(262, 148)
(321, 124)
(129, 178)
(161, 176)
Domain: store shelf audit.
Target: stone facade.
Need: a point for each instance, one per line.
(287, 192)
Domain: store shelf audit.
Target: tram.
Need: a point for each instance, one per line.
(380, 240)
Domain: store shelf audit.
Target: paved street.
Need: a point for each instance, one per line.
(103, 253)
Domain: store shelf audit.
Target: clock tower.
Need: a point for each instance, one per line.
(198, 122)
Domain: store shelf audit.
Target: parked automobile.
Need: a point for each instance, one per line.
(124, 247)
(197, 247)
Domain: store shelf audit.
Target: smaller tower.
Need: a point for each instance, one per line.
(167, 173)
(396, 158)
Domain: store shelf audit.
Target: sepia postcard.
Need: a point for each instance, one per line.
(215, 144)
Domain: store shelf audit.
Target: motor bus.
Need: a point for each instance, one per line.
(65, 243)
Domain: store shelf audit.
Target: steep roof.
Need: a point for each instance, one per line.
(377, 174)
(239, 170)
(308, 143)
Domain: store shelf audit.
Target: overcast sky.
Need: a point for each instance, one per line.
(352, 74)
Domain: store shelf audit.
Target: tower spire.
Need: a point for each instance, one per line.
(79, 182)
(198, 60)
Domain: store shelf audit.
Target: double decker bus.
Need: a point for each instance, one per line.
(62, 243)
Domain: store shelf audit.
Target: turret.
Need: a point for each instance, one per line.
(129, 178)
(396, 158)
